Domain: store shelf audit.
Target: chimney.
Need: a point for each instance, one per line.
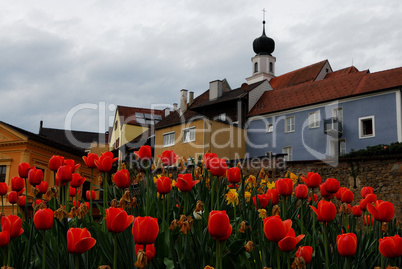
(215, 89)
(174, 106)
(166, 111)
(190, 98)
(183, 101)
(40, 126)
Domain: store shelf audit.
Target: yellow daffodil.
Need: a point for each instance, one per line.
(232, 197)
(263, 213)
(247, 196)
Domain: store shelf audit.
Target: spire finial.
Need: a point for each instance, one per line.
(263, 15)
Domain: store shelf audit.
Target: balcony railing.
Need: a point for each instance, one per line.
(333, 127)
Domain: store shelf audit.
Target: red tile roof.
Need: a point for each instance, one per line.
(128, 113)
(344, 83)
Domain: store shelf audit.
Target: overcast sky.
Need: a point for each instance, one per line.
(74, 61)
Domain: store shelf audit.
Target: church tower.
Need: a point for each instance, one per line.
(263, 63)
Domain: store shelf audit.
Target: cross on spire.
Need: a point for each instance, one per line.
(263, 13)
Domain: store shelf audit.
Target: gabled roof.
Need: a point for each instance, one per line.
(46, 141)
(174, 118)
(127, 114)
(345, 83)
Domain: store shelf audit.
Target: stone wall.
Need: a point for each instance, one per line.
(383, 174)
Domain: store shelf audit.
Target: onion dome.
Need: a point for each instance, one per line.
(263, 45)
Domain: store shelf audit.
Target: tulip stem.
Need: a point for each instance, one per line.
(218, 254)
(4, 255)
(9, 253)
(44, 251)
(217, 192)
(26, 200)
(278, 258)
(380, 236)
(302, 216)
(18, 203)
(288, 259)
(115, 251)
(90, 199)
(212, 184)
(326, 246)
(2, 205)
(348, 262)
(76, 261)
(148, 206)
(12, 206)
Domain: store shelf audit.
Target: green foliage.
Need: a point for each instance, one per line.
(392, 149)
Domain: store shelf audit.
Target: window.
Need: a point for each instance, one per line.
(289, 124)
(337, 147)
(289, 152)
(3, 170)
(270, 128)
(337, 113)
(188, 135)
(168, 139)
(314, 119)
(366, 127)
(255, 67)
(271, 67)
(342, 147)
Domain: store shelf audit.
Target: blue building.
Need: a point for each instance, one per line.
(317, 113)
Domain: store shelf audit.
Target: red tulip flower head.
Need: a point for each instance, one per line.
(79, 240)
(42, 187)
(219, 225)
(391, 246)
(144, 153)
(23, 169)
(105, 161)
(306, 252)
(122, 179)
(90, 160)
(332, 185)
(150, 251)
(356, 211)
(77, 180)
(43, 219)
(22, 200)
(289, 242)
(74, 191)
(324, 192)
(284, 186)
(326, 211)
(185, 182)
(346, 244)
(12, 197)
(207, 159)
(4, 238)
(347, 196)
(64, 173)
(315, 198)
(88, 195)
(3, 188)
(313, 180)
(17, 183)
(13, 225)
(35, 176)
(145, 230)
(368, 220)
(274, 196)
(263, 200)
(301, 191)
(382, 211)
(338, 194)
(117, 220)
(218, 167)
(370, 199)
(163, 185)
(275, 229)
(71, 163)
(233, 175)
(365, 191)
(168, 158)
(55, 162)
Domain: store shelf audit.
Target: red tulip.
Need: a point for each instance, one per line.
(77, 180)
(207, 158)
(3, 188)
(315, 198)
(306, 252)
(43, 219)
(12, 197)
(168, 158)
(79, 240)
(368, 220)
(347, 196)
(72, 164)
(219, 225)
(122, 179)
(356, 211)
(77, 204)
(346, 244)
(74, 191)
(163, 185)
(42, 187)
(144, 153)
(338, 194)
(274, 196)
(326, 211)
(263, 200)
(13, 225)
(105, 161)
(382, 211)
(150, 251)
(324, 192)
(313, 180)
(4, 238)
(233, 175)
(301, 191)
(185, 182)
(55, 162)
(332, 185)
(17, 183)
(22, 200)
(145, 230)
(275, 229)
(217, 167)
(64, 174)
(366, 190)
(88, 195)
(284, 186)
(37, 202)
(90, 160)
(289, 242)
(23, 169)
(35, 176)
(117, 220)
(390, 246)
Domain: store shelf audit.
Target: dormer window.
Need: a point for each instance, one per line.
(255, 67)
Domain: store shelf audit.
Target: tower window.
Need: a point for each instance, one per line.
(255, 67)
(271, 67)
